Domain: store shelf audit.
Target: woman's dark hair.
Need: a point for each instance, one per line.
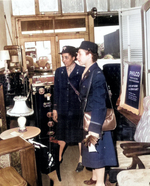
(74, 53)
(94, 55)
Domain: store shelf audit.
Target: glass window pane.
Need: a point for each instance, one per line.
(48, 5)
(101, 5)
(70, 25)
(41, 26)
(117, 4)
(30, 50)
(40, 51)
(43, 49)
(130, 22)
(140, 2)
(72, 6)
(107, 38)
(23, 7)
(148, 36)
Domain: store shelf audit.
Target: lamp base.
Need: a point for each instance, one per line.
(21, 123)
(24, 130)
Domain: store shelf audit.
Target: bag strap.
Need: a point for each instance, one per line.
(88, 90)
(109, 96)
(77, 92)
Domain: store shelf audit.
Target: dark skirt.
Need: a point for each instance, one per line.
(105, 155)
(68, 129)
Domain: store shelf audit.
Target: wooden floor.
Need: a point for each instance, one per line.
(67, 169)
(68, 174)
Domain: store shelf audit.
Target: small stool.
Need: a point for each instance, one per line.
(10, 177)
(134, 177)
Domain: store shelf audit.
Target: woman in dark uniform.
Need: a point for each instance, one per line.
(101, 152)
(66, 109)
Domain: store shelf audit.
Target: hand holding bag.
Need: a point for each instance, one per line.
(90, 140)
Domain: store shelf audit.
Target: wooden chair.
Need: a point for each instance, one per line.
(10, 177)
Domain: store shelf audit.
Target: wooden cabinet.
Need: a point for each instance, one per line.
(19, 154)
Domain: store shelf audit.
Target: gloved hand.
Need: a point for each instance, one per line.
(90, 139)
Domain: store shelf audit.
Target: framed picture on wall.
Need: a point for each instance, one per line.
(132, 90)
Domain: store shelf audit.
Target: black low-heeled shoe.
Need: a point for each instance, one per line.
(80, 167)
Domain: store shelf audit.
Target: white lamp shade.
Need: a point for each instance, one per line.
(4, 55)
(20, 107)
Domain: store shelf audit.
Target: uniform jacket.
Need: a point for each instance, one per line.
(65, 98)
(96, 103)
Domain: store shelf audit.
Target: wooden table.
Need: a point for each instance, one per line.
(30, 133)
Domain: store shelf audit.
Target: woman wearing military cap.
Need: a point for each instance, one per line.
(97, 149)
(66, 111)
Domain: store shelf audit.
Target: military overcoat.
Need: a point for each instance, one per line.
(67, 104)
(96, 104)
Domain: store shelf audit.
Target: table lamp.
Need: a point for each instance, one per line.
(4, 56)
(20, 109)
(14, 61)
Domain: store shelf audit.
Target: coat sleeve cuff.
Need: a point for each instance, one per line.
(95, 128)
(93, 134)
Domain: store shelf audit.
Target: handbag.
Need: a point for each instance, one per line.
(110, 120)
